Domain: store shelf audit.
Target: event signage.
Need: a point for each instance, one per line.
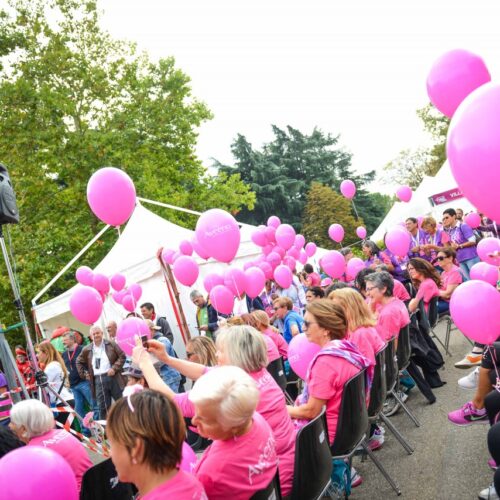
(451, 195)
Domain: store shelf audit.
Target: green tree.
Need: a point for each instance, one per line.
(72, 100)
(281, 174)
(324, 207)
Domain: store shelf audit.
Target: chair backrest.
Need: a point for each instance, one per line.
(391, 365)
(276, 370)
(433, 313)
(404, 347)
(353, 416)
(378, 391)
(313, 460)
(272, 492)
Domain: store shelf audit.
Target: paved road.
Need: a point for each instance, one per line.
(449, 462)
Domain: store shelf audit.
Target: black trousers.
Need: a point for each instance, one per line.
(494, 447)
(106, 389)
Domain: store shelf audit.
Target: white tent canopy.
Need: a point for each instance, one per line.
(134, 255)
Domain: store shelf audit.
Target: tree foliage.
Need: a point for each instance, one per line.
(72, 100)
(324, 207)
(282, 172)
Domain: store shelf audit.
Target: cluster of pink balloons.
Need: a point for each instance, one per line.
(111, 195)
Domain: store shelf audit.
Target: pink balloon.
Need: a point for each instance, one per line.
(175, 256)
(128, 302)
(186, 248)
(273, 221)
(488, 246)
(273, 259)
(361, 232)
(118, 296)
(293, 252)
(267, 269)
(211, 280)
(348, 189)
(136, 290)
(326, 282)
(299, 242)
(336, 232)
(86, 305)
(300, 354)
(473, 220)
(218, 233)
(255, 281)
(267, 249)
(101, 283)
(290, 262)
(189, 458)
(222, 299)
(50, 475)
(404, 193)
(283, 276)
(473, 149)
(248, 265)
(398, 241)
(285, 236)
(484, 272)
(280, 251)
(111, 195)
(85, 276)
(270, 234)
(118, 282)
(259, 237)
(466, 301)
(302, 257)
(235, 280)
(310, 249)
(333, 263)
(186, 270)
(353, 267)
(167, 256)
(199, 249)
(453, 77)
(127, 330)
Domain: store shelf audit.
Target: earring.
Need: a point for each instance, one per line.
(134, 461)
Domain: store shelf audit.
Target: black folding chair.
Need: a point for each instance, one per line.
(431, 318)
(378, 394)
(276, 370)
(352, 425)
(272, 492)
(313, 461)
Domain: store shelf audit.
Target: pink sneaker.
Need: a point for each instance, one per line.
(492, 464)
(468, 415)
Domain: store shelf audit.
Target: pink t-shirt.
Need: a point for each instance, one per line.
(68, 447)
(451, 277)
(279, 341)
(391, 318)
(367, 340)
(182, 486)
(239, 467)
(400, 292)
(315, 279)
(427, 290)
(326, 381)
(272, 350)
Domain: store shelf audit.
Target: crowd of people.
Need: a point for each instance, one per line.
(238, 413)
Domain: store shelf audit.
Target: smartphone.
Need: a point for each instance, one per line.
(144, 340)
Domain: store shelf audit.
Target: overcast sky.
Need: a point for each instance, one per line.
(354, 67)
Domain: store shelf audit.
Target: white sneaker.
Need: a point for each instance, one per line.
(470, 381)
(489, 493)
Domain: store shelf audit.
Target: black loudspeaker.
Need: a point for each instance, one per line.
(9, 214)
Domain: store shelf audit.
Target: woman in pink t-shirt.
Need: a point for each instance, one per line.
(262, 324)
(245, 347)
(146, 432)
(425, 279)
(338, 360)
(33, 423)
(391, 313)
(451, 277)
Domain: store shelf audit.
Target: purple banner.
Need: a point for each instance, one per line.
(452, 194)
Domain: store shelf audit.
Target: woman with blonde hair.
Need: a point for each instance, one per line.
(244, 347)
(433, 238)
(201, 350)
(263, 325)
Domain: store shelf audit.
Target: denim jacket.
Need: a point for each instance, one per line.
(169, 375)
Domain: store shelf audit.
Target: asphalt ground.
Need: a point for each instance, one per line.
(449, 462)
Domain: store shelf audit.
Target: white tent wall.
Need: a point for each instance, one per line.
(134, 255)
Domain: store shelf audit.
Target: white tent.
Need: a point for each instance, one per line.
(134, 255)
(420, 204)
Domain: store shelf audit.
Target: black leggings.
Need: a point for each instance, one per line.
(494, 447)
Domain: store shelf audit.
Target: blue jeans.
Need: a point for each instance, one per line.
(443, 306)
(466, 265)
(83, 394)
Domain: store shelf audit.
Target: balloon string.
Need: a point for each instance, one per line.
(355, 211)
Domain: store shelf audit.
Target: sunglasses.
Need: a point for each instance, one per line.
(307, 324)
(189, 354)
(440, 257)
(276, 308)
(369, 289)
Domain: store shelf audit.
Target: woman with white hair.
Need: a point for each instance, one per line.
(244, 347)
(33, 423)
(242, 458)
